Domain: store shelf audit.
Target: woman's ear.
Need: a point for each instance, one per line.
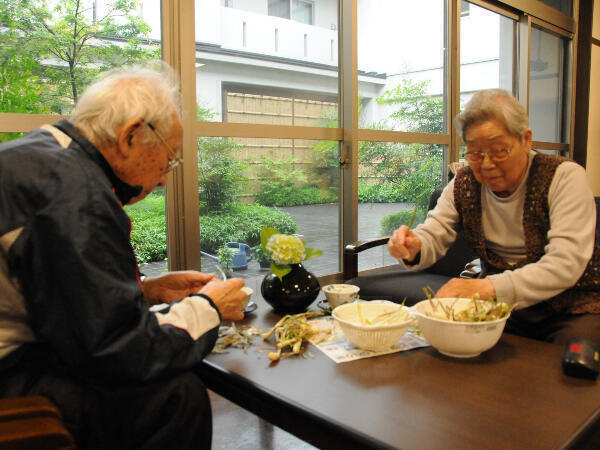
(126, 136)
(528, 137)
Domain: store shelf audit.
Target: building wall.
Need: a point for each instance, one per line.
(593, 150)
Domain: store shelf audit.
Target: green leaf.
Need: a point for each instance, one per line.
(265, 234)
(280, 270)
(311, 253)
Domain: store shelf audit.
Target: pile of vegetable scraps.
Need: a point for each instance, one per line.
(290, 333)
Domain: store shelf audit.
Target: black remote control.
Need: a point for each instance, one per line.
(581, 359)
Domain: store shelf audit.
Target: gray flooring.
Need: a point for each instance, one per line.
(234, 427)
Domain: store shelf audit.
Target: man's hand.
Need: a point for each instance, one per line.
(227, 296)
(404, 244)
(174, 285)
(459, 287)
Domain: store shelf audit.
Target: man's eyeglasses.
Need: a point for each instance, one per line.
(494, 155)
(174, 158)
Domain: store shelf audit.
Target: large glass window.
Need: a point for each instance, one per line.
(246, 184)
(51, 50)
(395, 182)
(299, 10)
(261, 54)
(487, 57)
(49, 53)
(273, 63)
(546, 84)
(402, 65)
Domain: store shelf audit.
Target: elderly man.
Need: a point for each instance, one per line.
(75, 323)
(529, 217)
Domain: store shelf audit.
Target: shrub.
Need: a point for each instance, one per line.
(148, 234)
(272, 194)
(242, 223)
(392, 222)
(385, 192)
(219, 173)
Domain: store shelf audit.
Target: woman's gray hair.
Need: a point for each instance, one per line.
(149, 92)
(493, 104)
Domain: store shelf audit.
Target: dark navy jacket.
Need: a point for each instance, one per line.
(69, 281)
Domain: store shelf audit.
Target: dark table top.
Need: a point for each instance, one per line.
(512, 396)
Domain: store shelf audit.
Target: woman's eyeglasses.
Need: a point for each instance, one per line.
(494, 155)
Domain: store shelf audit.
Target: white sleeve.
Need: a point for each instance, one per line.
(570, 243)
(438, 232)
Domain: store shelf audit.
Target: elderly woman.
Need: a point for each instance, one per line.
(531, 219)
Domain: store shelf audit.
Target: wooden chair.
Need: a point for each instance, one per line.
(32, 422)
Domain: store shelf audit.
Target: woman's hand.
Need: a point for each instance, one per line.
(174, 285)
(227, 296)
(460, 287)
(404, 244)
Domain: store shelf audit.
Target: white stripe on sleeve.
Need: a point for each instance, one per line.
(194, 315)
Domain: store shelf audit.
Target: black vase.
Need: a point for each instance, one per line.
(293, 293)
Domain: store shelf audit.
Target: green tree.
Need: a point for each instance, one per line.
(415, 169)
(72, 41)
(413, 107)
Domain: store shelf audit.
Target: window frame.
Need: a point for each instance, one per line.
(178, 45)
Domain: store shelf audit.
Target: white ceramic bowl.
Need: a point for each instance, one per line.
(248, 291)
(339, 294)
(457, 339)
(371, 337)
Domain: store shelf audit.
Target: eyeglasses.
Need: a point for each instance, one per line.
(494, 155)
(174, 158)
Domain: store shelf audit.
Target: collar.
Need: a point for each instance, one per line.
(124, 191)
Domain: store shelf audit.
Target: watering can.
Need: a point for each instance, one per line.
(241, 257)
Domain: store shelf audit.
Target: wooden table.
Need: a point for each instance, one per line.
(512, 396)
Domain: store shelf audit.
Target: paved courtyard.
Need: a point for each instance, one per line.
(318, 225)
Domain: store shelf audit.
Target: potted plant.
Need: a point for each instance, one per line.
(225, 255)
(263, 258)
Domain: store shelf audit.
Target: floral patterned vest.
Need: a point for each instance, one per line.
(584, 296)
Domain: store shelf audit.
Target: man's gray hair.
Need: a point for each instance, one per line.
(149, 92)
(493, 104)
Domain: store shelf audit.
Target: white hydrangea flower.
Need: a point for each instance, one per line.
(286, 249)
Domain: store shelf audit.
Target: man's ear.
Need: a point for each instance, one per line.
(126, 135)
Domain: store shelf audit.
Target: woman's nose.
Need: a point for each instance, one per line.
(487, 162)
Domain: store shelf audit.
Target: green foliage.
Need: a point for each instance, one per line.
(415, 110)
(219, 173)
(415, 168)
(148, 235)
(241, 223)
(294, 196)
(284, 185)
(20, 87)
(77, 44)
(392, 222)
(380, 193)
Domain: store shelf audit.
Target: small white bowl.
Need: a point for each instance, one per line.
(376, 337)
(339, 294)
(248, 291)
(457, 339)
